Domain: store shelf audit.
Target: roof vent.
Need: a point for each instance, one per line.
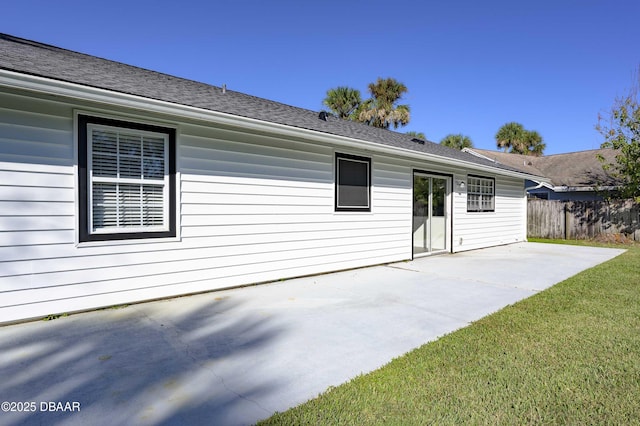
(323, 115)
(224, 89)
(418, 141)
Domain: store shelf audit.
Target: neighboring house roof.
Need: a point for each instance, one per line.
(41, 60)
(577, 170)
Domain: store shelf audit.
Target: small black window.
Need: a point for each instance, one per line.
(480, 194)
(353, 183)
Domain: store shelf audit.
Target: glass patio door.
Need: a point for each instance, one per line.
(429, 213)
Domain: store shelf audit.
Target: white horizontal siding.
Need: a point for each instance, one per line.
(473, 230)
(37, 186)
(251, 208)
(273, 193)
(22, 239)
(72, 298)
(260, 248)
(35, 132)
(303, 232)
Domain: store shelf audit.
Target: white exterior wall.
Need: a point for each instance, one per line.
(505, 225)
(251, 208)
(474, 230)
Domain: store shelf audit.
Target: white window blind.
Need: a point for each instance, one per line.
(129, 177)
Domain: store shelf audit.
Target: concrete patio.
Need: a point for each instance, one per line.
(237, 356)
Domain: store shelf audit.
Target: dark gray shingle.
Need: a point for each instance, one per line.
(29, 57)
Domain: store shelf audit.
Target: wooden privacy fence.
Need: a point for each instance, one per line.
(583, 219)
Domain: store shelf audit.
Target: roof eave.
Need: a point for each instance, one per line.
(584, 188)
(17, 80)
(477, 154)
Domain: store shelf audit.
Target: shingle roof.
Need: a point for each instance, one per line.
(573, 169)
(33, 58)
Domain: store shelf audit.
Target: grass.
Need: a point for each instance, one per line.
(52, 317)
(568, 355)
(613, 243)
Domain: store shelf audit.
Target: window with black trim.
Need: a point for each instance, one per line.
(353, 183)
(480, 194)
(126, 180)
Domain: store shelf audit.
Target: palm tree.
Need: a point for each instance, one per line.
(535, 145)
(382, 109)
(418, 135)
(513, 137)
(343, 101)
(458, 141)
(510, 136)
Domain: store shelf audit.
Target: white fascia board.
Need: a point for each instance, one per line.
(542, 183)
(477, 154)
(533, 188)
(49, 86)
(583, 188)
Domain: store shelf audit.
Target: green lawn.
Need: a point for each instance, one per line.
(568, 355)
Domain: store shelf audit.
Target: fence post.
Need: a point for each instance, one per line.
(566, 222)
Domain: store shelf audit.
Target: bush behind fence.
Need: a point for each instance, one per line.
(583, 219)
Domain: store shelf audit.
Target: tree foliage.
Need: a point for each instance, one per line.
(380, 110)
(457, 141)
(343, 101)
(418, 135)
(509, 135)
(621, 131)
(514, 138)
(533, 144)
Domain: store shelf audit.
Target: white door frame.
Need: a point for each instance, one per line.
(448, 178)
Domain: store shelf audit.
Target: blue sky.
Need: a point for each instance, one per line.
(470, 66)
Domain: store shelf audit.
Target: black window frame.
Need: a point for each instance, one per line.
(353, 158)
(493, 195)
(85, 234)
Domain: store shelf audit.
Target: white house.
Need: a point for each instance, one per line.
(119, 184)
